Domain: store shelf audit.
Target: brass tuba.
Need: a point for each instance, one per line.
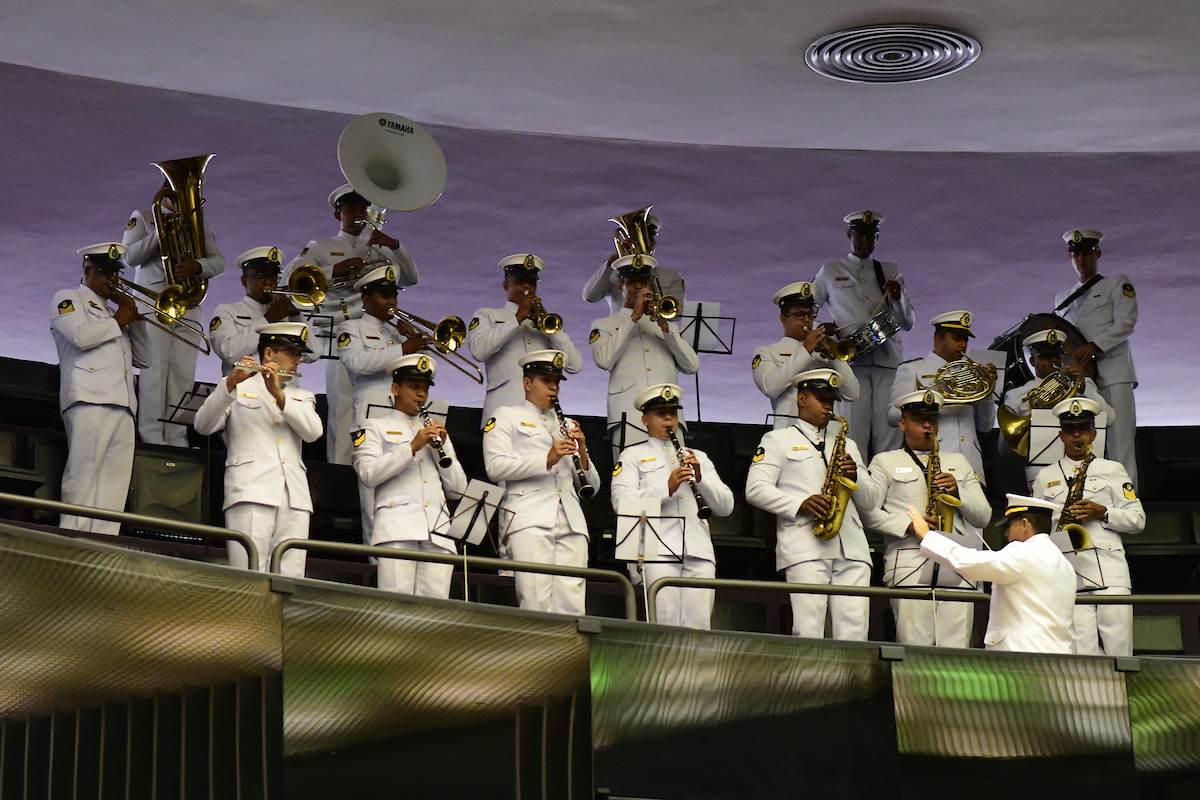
(836, 489)
(1053, 389)
(963, 381)
(181, 231)
(941, 505)
(632, 237)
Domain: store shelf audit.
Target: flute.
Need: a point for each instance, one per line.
(703, 511)
(583, 488)
(250, 366)
(444, 459)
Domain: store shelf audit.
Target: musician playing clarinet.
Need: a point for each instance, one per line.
(525, 451)
(679, 547)
(399, 459)
(265, 422)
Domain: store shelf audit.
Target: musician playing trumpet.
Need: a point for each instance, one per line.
(525, 452)
(342, 259)
(397, 458)
(786, 478)
(1109, 508)
(904, 480)
(678, 547)
(266, 421)
(366, 347)
(232, 327)
(801, 349)
(959, 422)
(500, 336)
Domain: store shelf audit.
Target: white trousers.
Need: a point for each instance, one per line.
(868, 414)
(339, 394)
(415, 577)
(163, 384)
(691, 608)
(849, 614)
(267, 526)
(557, 545)
(917, 622)
(1103, 630)
(99, 463)
(1119, 444)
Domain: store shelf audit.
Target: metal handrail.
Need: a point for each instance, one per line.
(483, 562)
(138, 520)
(960, 595)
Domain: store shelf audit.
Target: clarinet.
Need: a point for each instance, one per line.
(584, 488)
(444, 459)
(702, 508)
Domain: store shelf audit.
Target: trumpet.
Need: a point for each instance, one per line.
(169, 308)
(543, 320)
(307, 286)
(448, 336)
(837, 349)
(254, 366)
(662, 306)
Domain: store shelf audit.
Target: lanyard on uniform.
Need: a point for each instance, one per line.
(1092, 281)
(1070, 481)
(924, 469)
(819, 447)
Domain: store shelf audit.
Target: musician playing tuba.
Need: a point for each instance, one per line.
(341, 258)
(603, 283)
(1054, 380)
(1108, 508)
(786, 478)
(173, 369)
(920, 475)
(962, 417)
(500, 336)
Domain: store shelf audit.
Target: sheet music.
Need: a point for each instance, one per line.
(479, 503)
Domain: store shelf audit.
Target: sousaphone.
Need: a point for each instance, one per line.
(392, 161)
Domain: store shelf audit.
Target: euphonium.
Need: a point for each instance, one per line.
(1080, 538)
(836, 489)
(963, 381)
(941, 505)
(1062, 384)
(181, 230)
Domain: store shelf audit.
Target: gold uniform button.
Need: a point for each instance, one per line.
(647, 369)
(279, 440)
(864, 280)
(282, 461)
(647, 349)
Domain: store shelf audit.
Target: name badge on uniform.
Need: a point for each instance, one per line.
(651, 458)
(250, 394)
(393, 433)
(376, 338)
(799, 447)
(529, 425)
(904, 469)
(334, 253)
(841, 279)
(785, 354)
(1053, 483)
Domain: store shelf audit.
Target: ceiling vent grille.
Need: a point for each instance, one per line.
(891, 53)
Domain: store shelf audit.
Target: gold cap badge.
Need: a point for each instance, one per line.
(558, 360)
(273, 256)
(529, 264)
(113, 252)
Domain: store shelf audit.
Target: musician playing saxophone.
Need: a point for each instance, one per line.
(1108, 507)
(904, 477)
(960, 422)
(681, 545)
(786, 477)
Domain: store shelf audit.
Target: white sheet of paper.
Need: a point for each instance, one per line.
(993, 357)
(708, 325)
(632, 532)
(1045, 446)
(481, 497)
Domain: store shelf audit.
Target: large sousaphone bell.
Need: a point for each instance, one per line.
(392, 161)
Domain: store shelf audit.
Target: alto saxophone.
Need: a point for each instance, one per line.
(941, 505)
(1067, 523)
(836, 489)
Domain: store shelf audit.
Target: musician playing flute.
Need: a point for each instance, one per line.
(232, 327)
(367, 347)
(398, 458)
(903, 478)
(678, 547)
(525, 451)
(786, 478)
(266, 421)
(1109, 508)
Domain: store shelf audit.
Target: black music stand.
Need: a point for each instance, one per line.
(322, 325)
(636, 518)
(184, 412)
(701, 329)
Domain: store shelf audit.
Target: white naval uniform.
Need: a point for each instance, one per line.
(408, 491)
(959, 423)
(231, 331)
(903, 483)
(366, 348)
(173, 371)
(789, 468)
(341, 305)
(498, 340)
(266, 482)
(1106, 315)
(1033, 591)
(774, 365)
(547, 524)
(98, 402)
(1100, 630)
(684, 546)
(603, 284)
(636, 356)
(1015, 399)
(850, 289)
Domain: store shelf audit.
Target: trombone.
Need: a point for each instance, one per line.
(307, 286)
(169, 307)
(448, 336)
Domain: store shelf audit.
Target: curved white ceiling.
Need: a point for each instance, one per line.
(1054, 76)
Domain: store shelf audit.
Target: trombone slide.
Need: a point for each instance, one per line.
(167, 312)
